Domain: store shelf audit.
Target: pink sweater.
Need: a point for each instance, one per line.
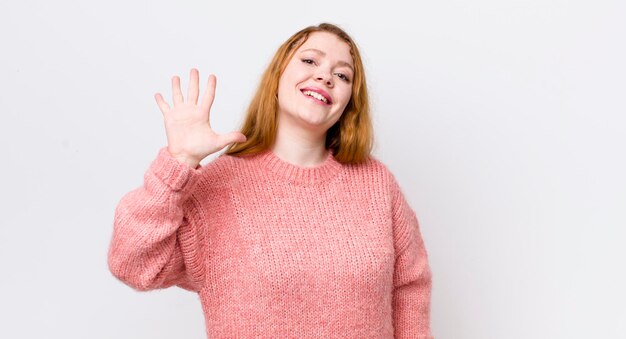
(278, 251)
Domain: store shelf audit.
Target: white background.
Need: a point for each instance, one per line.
(502, 120)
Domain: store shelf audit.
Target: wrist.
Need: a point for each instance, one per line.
(185, 159)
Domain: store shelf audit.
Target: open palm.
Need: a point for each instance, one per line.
(190, 137)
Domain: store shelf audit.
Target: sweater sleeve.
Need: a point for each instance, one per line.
(412, 275)
(154, 242)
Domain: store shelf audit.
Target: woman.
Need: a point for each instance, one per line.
(295, 231)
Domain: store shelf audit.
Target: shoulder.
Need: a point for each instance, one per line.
(372, 171)
(372, 166)
(223, 168)
(217, 175)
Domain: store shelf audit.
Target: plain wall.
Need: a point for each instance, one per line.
(502, 120)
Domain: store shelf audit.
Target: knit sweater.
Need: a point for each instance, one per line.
(275, 250)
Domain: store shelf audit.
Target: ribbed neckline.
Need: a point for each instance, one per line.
(297, 174)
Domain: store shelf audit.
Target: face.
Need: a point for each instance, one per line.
(316, 85)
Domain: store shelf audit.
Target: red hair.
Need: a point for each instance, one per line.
(350, 138)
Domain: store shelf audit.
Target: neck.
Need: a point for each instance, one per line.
(300, 147)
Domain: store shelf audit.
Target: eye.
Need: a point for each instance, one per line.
(343, 77)
(308, 61)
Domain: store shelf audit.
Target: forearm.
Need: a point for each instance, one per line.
(412, 295)
(145, 250)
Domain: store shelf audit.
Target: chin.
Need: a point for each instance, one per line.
(315, 120)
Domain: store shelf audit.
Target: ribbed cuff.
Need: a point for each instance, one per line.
(175, 174)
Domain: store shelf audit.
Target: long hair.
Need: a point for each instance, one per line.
(350, 138)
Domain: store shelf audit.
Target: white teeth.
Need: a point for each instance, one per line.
(316, 96)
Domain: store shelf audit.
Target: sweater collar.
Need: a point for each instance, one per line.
(297, 174)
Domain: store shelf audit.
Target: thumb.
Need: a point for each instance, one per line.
(232, 137)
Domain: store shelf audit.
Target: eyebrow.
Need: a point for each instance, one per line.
(342, 63)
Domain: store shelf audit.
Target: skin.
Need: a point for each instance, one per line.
(323, 64)
(190, 137)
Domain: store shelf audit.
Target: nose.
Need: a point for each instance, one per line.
(325, 77)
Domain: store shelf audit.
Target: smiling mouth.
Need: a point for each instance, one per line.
(316, 95)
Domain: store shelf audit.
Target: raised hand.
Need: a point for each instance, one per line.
(189, 135)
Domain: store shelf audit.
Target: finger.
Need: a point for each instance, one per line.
(192, 93)
(232, 137)
(176, 92)
(163, 106)
(209, 94)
